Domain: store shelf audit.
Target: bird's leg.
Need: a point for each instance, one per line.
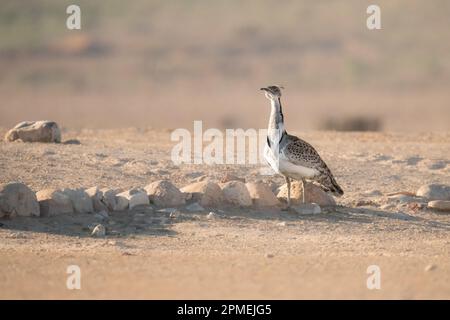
(304, 190)
(288, 181)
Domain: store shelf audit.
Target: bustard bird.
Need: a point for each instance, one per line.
(292, 157)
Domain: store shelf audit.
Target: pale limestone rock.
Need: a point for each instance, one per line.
(314, 194)
(135, 197)
(440, 205)
(35, 131)
(81, 201)
(17, 199)
(206, 193)
(164, 194)
(434, 192)
(236, 194)
(53, 202)
(261, 194)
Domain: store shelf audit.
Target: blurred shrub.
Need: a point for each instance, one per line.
(352, 123)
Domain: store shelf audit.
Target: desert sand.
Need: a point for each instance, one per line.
(241, 253)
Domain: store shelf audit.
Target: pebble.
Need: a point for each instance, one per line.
(307, 208)
(434, 192)
(430, 267)
(269, 255)
(211, 215)
(99, 231)
(440, 205)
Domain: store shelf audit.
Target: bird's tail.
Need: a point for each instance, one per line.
(329, 184)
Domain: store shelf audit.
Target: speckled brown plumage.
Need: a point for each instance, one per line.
(301, 153)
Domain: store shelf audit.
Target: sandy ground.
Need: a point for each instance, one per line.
(261, 254)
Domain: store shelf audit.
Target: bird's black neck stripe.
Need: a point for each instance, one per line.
(281, 110)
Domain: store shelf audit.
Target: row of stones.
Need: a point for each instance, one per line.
(18, 199)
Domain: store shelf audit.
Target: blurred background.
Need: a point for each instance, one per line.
(164, 64)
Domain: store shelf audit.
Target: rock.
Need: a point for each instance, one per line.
(440, 205)
(211, 215)
(307, 208)
(109, 198)
(430, 267)
(17, 199)
(261, 194)
(227, 177)
(96, 197)
(81, 201)
(314, 194)
(53, 202)
(269, 255)
(236, 194)
(99, 231)
(35, 131)
(164, 194)
(121, 202)
(206, 193)
(434, 192)
(195, 207)
(135, 197)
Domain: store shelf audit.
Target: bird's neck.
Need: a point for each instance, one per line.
(275, 128)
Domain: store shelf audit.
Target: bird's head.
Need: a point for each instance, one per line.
(272, 92)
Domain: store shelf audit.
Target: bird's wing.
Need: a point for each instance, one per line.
(301, 153)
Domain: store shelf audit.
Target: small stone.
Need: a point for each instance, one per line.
(282, 224)
(206, 193)
(120, 203)
(109, 198)
(307, 208)
(17, 199)
(211, 215)
(135, 197)
(430, 267)
(35, 131)
(81, 201)
(262, 195)
(269, 255)
(53, 202)
(314, 194)
(434, 192)
(99, 231)
(440, 205)
(194, 207)
(236, 193)
(164, 194)
(96, 196)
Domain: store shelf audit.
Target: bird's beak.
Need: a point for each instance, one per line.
(264, 89)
